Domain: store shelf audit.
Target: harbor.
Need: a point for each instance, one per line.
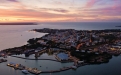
(75, 65)
(50, 66)
(35, 70)
(43, 66)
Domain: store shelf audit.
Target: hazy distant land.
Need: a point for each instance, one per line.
(118, 26)
(23, 23)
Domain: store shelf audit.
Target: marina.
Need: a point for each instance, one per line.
(35, 71)
(57, 68)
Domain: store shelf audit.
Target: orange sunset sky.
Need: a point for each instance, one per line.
(60, 10)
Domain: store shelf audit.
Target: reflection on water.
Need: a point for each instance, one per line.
(42, 56)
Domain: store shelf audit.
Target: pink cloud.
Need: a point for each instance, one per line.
(91, 3)
(55, 9)
(13, 0)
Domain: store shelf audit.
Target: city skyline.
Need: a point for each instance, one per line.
(60, 11)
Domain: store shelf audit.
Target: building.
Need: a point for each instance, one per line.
(62, 57)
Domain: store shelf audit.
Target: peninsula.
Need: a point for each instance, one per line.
(82, 47)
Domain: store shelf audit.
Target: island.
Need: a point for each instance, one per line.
(19, 23)
(82, 47)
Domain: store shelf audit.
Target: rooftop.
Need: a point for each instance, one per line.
(63, 56)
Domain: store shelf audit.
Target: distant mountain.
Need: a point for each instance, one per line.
(118, 26)
(19, 23)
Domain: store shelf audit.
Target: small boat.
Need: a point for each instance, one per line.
(74, 67)
(25, 71)
(11, 64)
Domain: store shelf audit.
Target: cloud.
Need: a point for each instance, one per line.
(110, 11)
(55, 10)
(91, 3)
(93, 10)
(38, 15)
(6, 1)
(57, 2)
(35, 15)
(12, 0)
(26, 13)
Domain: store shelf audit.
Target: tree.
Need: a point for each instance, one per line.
(110, 37)
(31, 41)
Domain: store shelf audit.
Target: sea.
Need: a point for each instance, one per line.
(18, 35)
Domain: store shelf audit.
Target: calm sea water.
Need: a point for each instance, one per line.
(83, 25)
(14, 36)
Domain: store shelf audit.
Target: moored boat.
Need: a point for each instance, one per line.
(25, 71)
(11, 64)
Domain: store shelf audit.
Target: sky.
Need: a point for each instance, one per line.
(60, 10)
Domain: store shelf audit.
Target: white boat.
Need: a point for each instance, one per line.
(25, 71)
(74, 67)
